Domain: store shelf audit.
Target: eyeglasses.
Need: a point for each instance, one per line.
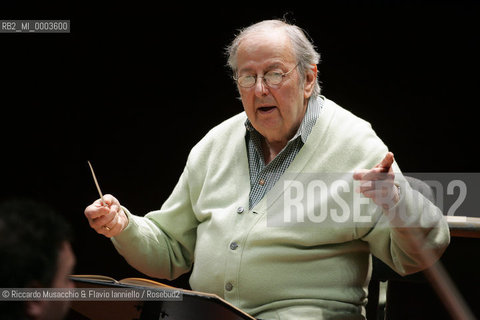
(271, 78)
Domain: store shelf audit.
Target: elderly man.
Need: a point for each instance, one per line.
(233, 214)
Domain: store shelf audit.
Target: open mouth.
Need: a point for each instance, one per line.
(266, 109)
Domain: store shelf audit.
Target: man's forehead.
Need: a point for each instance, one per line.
(261, 45)
(270, 37)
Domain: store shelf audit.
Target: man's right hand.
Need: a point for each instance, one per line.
(108, 220)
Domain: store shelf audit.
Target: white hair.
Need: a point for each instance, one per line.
(303, 48)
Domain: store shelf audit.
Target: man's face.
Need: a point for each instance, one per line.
(274, 112)
(56, 310)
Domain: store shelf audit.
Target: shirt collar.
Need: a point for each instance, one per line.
(313, 111)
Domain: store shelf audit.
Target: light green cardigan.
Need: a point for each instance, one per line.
(317, 270)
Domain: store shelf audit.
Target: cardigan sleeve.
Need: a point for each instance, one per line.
(410, 236)
(162, 243)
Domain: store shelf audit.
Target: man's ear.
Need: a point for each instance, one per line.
(35, 309)
(310, 81)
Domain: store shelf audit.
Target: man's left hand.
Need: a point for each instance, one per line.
(378, 183)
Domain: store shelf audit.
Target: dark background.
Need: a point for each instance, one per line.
(133, 87)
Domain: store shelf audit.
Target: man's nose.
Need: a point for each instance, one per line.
(261, 88)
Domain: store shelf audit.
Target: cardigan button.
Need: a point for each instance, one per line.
(233, 245)
(228, 286)
(240, 210)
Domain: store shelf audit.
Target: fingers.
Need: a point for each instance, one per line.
(110, 200)
(378, 183)
(96, 210)
(116, 228)
(107, 220)
(384, 197)
(373, 174)
(382, 171)
(386, 162)
(108, 225)
(385, 192)
(368, 185)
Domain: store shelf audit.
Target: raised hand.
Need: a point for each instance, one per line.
(378, 183)
(108, 220)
